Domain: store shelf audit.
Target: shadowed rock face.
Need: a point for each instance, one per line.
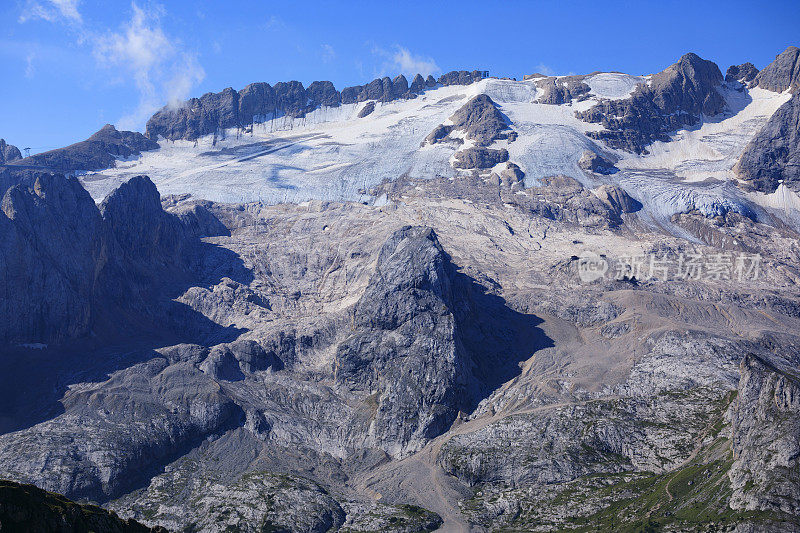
(367, 110)
(774, 153)
(50, 251)
(677, 97)
(745, 73)
(8, 152)
(596, 163)
(460, 77)
(781, 74)
(65, 263)
(100, 151)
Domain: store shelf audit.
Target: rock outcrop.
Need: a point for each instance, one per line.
(8, 152)
(782, 74)
(480, 158)
(773, 155)
(367, 110)
(677, 97)
(744, 73)
(98, 152)
(405, 349)
(592, 162)
(460, 77)
(478, 120)
(562, 90)
(765, 475)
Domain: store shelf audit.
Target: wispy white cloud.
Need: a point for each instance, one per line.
(30, 69)
(158, 65)
(328, 54)
(541, 68)
(401, 60)
(140, 53)
(408, 63)
(51, 11)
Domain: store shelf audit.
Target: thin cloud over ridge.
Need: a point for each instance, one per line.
(141, 52)
(402, 60)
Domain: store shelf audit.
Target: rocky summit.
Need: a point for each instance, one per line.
(464, 303)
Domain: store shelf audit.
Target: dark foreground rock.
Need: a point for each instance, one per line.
(28, 508)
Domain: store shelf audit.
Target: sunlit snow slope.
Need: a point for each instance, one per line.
(331, 154)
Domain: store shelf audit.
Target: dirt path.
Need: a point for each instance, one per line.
(419, 479)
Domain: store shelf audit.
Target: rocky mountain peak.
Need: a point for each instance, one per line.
(745, 73)
(8, 152)
(676, 97)
(783, 73)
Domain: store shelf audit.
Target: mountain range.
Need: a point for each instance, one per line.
(469, 303)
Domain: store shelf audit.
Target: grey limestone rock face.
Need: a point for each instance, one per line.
(8, 152)
(323, 93)
(783, 73)
(417, 84)
(405, 348)
(562, 90)
(774, 153)
(145, 417)
(617, 200)
(256, 101)
(480, 120)
(50, 249)
(100, 151)
(765, 418)
(676, 97)
(744, 73)
(68, 263)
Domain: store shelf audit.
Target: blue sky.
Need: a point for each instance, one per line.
(70, 66)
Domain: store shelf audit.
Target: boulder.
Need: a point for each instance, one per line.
(592, 162)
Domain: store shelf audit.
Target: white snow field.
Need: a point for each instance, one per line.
(331, 154)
